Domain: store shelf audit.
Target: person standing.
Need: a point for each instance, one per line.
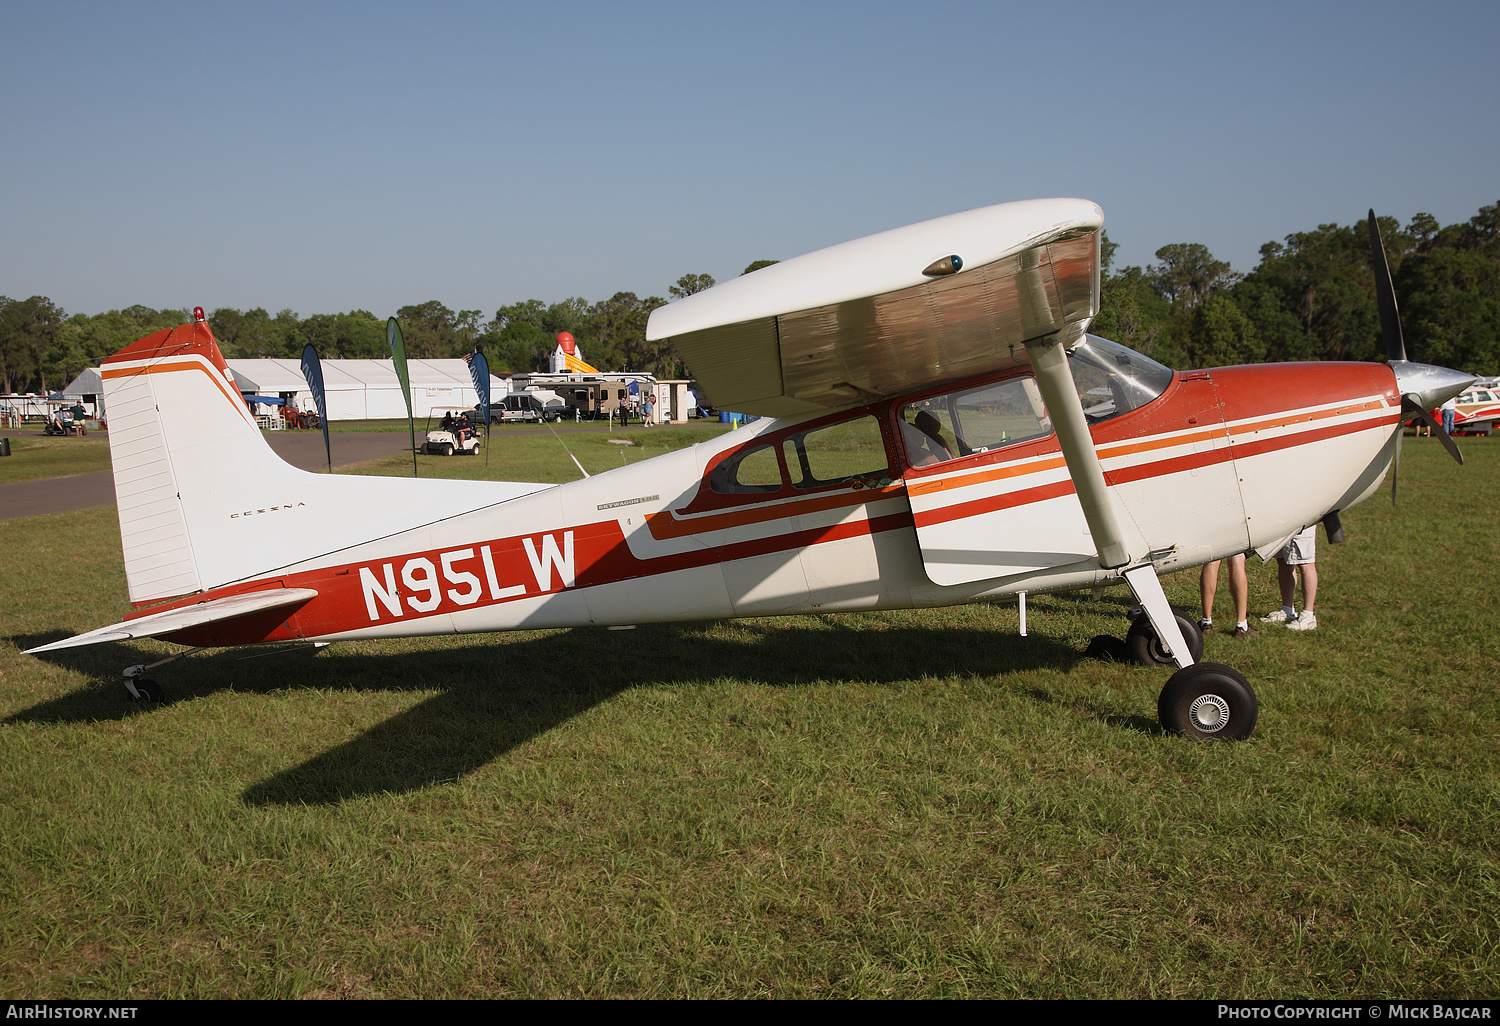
(1239, 592)
(648, 403)
(1450, 411)
(1297, 555)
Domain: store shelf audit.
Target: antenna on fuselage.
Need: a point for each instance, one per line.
(560, 442)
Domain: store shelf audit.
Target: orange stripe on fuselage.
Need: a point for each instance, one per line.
(666, 525)
(981, 476)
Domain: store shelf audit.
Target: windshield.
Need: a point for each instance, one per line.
(1112, 380)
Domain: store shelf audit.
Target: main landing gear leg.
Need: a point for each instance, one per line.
(142, 689)
(1147, 590)
(1203, 701)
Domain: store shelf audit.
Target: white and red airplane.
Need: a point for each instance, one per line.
(938, 429)
(1478, 409)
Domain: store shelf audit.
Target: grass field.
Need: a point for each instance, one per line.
(903, 804)
(538, 454)
(37, 457)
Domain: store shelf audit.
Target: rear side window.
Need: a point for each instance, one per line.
(835, 453)
(755, 470)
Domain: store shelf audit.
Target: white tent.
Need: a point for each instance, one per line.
(354, 389)
(366, 389)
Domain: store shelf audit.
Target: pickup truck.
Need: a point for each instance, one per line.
(527, 407)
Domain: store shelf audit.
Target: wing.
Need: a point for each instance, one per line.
(198, 615)
(879, 316)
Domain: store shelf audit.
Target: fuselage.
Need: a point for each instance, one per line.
(846, 512)
(1477, 410)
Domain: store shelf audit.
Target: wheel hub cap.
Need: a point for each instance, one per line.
(1209, 713)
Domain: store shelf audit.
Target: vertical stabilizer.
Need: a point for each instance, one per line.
(159, 559)
(204, 501)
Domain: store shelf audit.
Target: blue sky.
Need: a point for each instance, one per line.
(332, 156)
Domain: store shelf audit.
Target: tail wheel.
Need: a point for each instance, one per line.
(1145, 647)
(1208, 702)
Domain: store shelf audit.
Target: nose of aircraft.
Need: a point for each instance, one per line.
(1432, 385)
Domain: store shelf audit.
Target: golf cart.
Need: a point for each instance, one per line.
(64, 420)
(453, 433)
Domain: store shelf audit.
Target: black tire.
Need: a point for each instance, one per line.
(147, 691)
(1208, 702)
(1146, 648)
(447, 449)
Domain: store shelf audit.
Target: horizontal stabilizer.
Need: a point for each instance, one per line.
(170, 620)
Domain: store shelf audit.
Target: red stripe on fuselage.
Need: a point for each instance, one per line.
(600, 552)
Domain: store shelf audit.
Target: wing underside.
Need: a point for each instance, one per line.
(861, 321)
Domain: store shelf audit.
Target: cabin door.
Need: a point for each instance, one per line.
(990, 494)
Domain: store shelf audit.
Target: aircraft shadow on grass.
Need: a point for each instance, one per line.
(494, 698)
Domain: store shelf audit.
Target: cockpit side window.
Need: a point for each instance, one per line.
(976, 420)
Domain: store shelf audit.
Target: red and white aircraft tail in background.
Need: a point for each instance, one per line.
(939, 428)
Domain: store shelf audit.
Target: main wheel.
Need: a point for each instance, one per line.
(1145, 647)
(1208, 702)
(146, 691)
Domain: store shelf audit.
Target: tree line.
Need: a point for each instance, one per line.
(42, 348)
(1311, 297)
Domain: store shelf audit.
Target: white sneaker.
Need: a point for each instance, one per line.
(1279, 616)
(1307, 620)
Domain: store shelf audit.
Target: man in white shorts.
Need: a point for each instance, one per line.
(1299, 553)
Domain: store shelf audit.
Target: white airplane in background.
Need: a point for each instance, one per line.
(1478, 408)
(939, 429)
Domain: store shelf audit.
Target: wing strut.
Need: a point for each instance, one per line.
(1049, 359)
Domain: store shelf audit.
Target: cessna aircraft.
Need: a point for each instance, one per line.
(938, 428)
(1478, 409)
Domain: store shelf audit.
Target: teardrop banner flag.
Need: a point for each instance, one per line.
(479, 370)
(312, 370)
(398, 358)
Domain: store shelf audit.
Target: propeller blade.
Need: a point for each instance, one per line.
(1385, 296)
(1333, 528)
(1412, 404)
